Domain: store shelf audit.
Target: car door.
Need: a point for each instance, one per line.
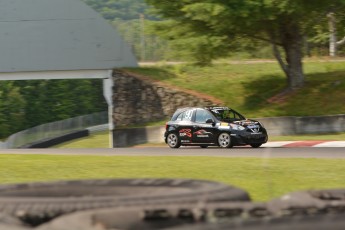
(204, 132)
(185, 125)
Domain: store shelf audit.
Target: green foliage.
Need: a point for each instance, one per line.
(24, 104)
(318, 34)
(234, 20)
(174, 43)
(140, 37)
(118, 9)
(12, 105)
(148, 42)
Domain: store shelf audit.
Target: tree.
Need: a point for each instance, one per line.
(12, 104)
(333, 43)
(282, 23)
(118, 9)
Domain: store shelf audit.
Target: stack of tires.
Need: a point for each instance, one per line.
(131, 204)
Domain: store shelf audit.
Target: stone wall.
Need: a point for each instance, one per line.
(138, 99)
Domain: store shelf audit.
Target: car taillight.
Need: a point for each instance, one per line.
(166, 125)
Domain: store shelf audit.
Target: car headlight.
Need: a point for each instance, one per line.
(237, 127)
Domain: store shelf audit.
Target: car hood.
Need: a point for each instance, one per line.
(243, 123)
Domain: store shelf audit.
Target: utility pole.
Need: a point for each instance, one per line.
(142, 37)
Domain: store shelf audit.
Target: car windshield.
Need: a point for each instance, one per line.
(226, 114)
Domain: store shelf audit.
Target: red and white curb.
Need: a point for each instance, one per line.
(286, 144)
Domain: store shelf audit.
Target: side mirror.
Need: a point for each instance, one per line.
(210, 121)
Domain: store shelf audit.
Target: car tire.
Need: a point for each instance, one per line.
(203, 146)
(224, 140)
(173, 140)
(37, 203)
(255, 145)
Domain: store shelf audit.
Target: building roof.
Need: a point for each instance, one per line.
(50, 35)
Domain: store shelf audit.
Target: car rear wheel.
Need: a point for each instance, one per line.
(255, 145)
(173, 140)
(224, 140)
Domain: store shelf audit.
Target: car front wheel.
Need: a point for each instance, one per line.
(224, 140)
(173, 140)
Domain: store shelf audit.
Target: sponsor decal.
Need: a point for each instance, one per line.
(185, 132)
(224, 126)
(185, 141)
(202, 133)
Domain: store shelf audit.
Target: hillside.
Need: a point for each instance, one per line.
(250, 87)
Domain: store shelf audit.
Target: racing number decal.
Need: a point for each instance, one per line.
(186, 132)
(188, 115)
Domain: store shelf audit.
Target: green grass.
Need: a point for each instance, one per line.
(246, 87)
(262, 178)
(97, 140)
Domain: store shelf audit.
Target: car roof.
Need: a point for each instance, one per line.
(217, 107)
(205, 107)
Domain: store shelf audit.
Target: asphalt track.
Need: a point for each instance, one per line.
(263, 152)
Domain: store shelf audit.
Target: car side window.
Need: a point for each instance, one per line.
(202, 115)
(232, 115)
(236, 116)
(229, 114)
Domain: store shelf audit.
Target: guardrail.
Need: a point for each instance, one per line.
(304, 125)
(54, 129)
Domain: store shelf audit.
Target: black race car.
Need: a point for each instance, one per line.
(219, 126)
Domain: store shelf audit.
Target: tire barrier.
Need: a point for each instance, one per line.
(151, 217)
(320, 209)
(10, 223)
(150, 204)
(320, 222)
(36, 203)
(311, 202)
(57, 140)
(212, 216)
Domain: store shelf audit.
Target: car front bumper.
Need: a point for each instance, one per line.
(245, 138)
